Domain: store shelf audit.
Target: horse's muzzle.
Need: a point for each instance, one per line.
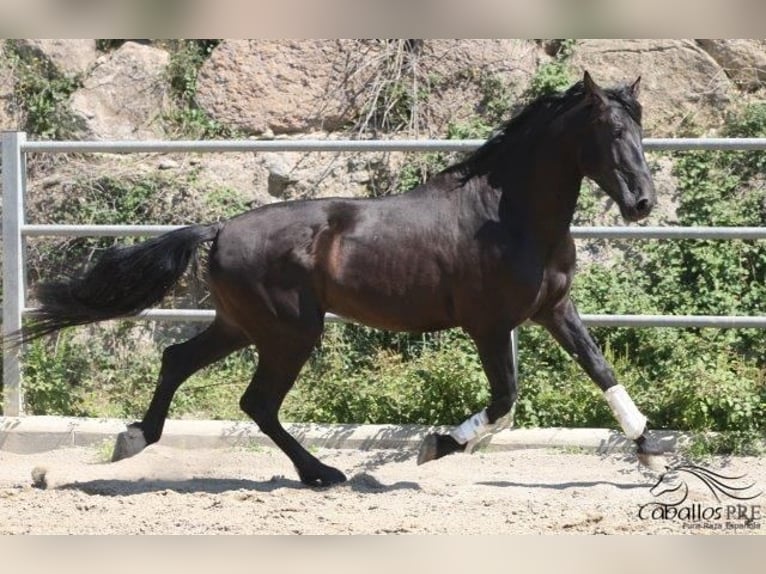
(639, 198)
(640, 209)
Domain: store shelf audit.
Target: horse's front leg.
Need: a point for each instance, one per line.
(497, 359)
(566, 326)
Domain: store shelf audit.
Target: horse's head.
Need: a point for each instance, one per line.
(611, 151)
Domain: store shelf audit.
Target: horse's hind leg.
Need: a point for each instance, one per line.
(280, 359)
(179, 362)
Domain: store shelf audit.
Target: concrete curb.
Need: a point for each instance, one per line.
(26, 435)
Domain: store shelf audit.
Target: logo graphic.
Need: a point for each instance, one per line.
(734, 496)
(671, 481)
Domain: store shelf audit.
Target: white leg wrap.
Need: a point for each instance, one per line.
(472, 429)
(631, 420)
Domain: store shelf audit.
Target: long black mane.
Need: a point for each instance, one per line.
(519, 131)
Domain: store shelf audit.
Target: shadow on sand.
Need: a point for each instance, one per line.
(563, 485)
(360, 482)
(359, 476)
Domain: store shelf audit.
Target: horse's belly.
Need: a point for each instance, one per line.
(394, 323)
(394, 313)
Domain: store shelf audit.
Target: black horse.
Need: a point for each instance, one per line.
(484, 245)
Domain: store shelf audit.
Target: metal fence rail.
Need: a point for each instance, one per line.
(581, 232)
(314, 145)
(15, 229)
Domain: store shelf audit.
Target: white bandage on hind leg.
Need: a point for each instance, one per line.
(472, 429)
(631, 420)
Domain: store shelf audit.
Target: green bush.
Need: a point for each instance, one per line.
(52, 373)
(365, 376)
(553, 76)
(111, 371)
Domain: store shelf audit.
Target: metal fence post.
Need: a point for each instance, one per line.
(13, 266)
(515, 357)
(515, 352)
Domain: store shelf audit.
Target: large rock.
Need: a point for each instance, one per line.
(67, 57)
(279, 86)
(124, 95)
(264, 86)
(681, 84)
(744, 61)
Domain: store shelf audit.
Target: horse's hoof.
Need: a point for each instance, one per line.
(129, 443)
(650, 454)
(40, 477)
(429, 449)
(653, 461)
(324, 476)
(438, 445)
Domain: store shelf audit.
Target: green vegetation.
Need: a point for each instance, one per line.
(105, 200)
(190, 121)
(224, 203)
(162, 197)
(493, 109)
(361, 375)
(554, 75)
(111, 373)
(42, 94)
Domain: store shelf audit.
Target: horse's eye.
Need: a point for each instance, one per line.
(618, 131)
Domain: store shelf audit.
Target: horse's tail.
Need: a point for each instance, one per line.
(124, 281)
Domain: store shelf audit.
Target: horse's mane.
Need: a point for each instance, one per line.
(533, 118)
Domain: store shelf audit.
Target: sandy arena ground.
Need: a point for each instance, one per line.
(255, 491)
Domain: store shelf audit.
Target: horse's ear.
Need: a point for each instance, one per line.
(593, 92)
(590, 85)
(635, 88)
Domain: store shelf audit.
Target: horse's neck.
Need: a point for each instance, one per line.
(540, 194)
(554, 174)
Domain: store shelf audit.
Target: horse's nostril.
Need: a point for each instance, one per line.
(643, 205)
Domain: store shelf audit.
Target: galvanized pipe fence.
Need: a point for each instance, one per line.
(15, 230)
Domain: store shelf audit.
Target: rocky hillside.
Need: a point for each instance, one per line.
(163, 89)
